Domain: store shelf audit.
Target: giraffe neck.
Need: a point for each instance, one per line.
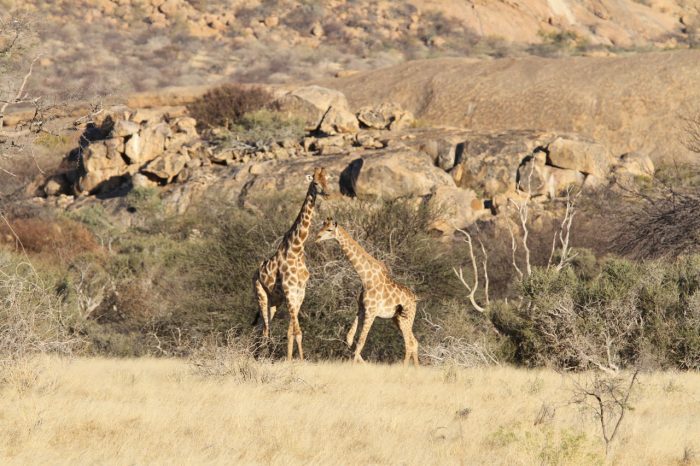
(297, 235)
(363, 263)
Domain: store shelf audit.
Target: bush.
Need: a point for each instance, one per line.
(33, 317)
(216, 273)
(225, 106)
(61, 238)
(631, 313)
(266, 127)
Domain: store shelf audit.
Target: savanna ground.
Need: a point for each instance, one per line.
(160, 411)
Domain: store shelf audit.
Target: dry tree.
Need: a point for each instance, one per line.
(607, 398)
(662, 221)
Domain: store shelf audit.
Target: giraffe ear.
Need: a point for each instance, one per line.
(309, 178)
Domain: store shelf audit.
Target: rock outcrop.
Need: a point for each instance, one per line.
(458, 172)
(313, 104)
(126, 142)
(387, 115)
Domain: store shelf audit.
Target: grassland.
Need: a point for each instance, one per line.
(166, 411)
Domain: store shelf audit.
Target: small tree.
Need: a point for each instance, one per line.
(607, 398)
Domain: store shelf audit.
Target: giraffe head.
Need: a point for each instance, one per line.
(329, 230)
(319, 181)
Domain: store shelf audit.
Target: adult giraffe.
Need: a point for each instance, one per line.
(283, 276)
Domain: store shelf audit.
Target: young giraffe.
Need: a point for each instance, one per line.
(381, 296)
(283, 276)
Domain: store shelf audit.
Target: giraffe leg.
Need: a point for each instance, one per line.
(350, 337)
(406, 342)
(298, 336)
(405, 322)
(290, 340)
(261, 294)
(351, 333)
(294, 300)
(409, 340)
(366, 325)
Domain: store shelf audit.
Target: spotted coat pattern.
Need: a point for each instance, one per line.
(282, 278)
(381, 296)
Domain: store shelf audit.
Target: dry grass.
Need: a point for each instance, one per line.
(150, 411)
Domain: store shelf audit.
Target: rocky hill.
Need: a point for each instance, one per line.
(151, 44)
(630, 103)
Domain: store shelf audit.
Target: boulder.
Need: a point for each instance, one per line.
(561, 179)
(95, 158)
(148, 144)
(587, 157)
(311, 103)
(533, 175)
(636, 164)
(170, 7)
(386, 115)
(337, 121)
(177, 141)
(594, 183)
(166, 166)
(139, 180)
(366, 140)
(446, 154)
(124, 128)
(396, 174)
(387, 174)
(455, 208)
(115, 147)
(186, 125)
(330, 145)
(488, 162)
(539, 179)
(132, 148)
(102, 180)
(146, 115)
(54, 186)
(402, 120)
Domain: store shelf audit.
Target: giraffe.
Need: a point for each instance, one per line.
(381, 296)
(283, 276)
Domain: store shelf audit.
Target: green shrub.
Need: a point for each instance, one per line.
(631, 313)
(265, 127)
(144, 200)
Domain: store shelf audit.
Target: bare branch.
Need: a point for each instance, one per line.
(514, 249)
(523, 211)
(563, 234)
(20, 92)
(475, 270)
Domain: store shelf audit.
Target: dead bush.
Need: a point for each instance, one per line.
(62, 239)
(33, 317)
(232, 358)
(659, 223)
(226, 105)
